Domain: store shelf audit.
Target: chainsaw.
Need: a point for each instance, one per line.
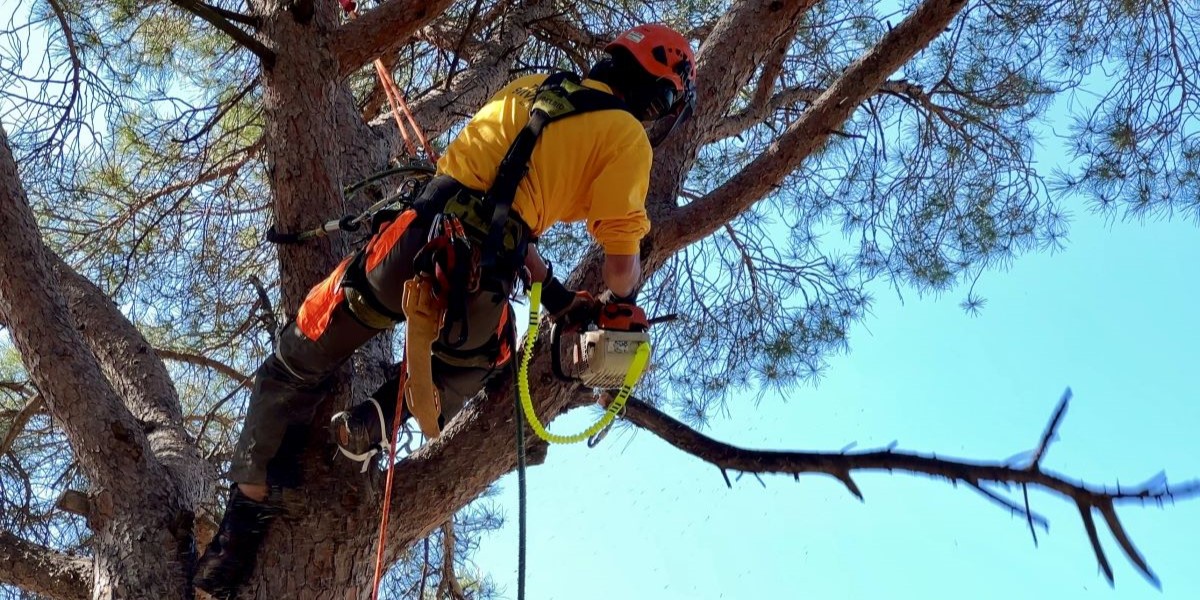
(600, 358)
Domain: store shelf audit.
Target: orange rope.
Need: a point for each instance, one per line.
(398, 105)
(388, 82)
(384, 79)
(387, 490)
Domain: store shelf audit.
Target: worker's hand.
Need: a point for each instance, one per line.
(621, 314)
(569, 309)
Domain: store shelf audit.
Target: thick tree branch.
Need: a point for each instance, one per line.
(381, 30)
(108, 441)
(235, 33)
(43, 571)
(138, 375)
(861, 79)
(1088, 498)
(237, 17)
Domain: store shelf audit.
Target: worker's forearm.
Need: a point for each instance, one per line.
(622, 273)
(536, 265)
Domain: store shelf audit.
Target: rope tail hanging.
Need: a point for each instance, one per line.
(387, 490)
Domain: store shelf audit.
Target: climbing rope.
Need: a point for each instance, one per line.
(387, 490)
(395, 99)
(523, 501)
(524, 404)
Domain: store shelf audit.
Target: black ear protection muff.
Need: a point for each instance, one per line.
(678, 107)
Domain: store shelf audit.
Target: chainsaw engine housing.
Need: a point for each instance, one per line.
(604, 356)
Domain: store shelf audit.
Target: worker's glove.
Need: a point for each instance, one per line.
(569, 309)
(621, 314)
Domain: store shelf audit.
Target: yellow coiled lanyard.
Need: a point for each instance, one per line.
(636, 368)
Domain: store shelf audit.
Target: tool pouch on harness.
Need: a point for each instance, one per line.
(424, 317)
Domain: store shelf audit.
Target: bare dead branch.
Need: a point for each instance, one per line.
(839, 465)
(41, 570)
(224, 110)
(1051, 430)
(76, 67)
(1013, 507)
(202, 361)
(268, 312)
(238, 35)
(17, 425)
(449, 577)
(237, 17)
(76, 503)
(1118, 530)
(1089, 525)
(1029, 513)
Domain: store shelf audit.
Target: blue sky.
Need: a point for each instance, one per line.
(1112, 316)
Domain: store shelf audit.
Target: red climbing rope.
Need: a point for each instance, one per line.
(396, 100)
(398, 105)
(387, 490)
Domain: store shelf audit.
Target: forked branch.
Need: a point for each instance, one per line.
(1090, 499)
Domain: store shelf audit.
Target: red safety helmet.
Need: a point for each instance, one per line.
(666, 56)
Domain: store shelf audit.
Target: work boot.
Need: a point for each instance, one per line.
(362, 432)
(230, 556)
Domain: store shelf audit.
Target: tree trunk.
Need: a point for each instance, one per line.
(300, 91)
(319, 551)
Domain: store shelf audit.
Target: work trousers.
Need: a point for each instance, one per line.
(291, 382)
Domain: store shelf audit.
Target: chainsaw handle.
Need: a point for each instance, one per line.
(556, 354)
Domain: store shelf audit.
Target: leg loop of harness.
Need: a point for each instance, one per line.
(360, 305)
(361, 301)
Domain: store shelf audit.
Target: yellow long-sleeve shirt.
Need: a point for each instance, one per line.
(593, 166)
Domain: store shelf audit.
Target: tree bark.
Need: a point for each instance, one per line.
(44, 571)
(382, 29)
(138, 375)
(299, 94)
(140, 518)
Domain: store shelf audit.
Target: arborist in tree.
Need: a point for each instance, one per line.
(449, 265)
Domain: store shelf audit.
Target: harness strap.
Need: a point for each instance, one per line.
(561, 95)
(381, 447)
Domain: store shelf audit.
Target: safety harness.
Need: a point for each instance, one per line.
(452, 263)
